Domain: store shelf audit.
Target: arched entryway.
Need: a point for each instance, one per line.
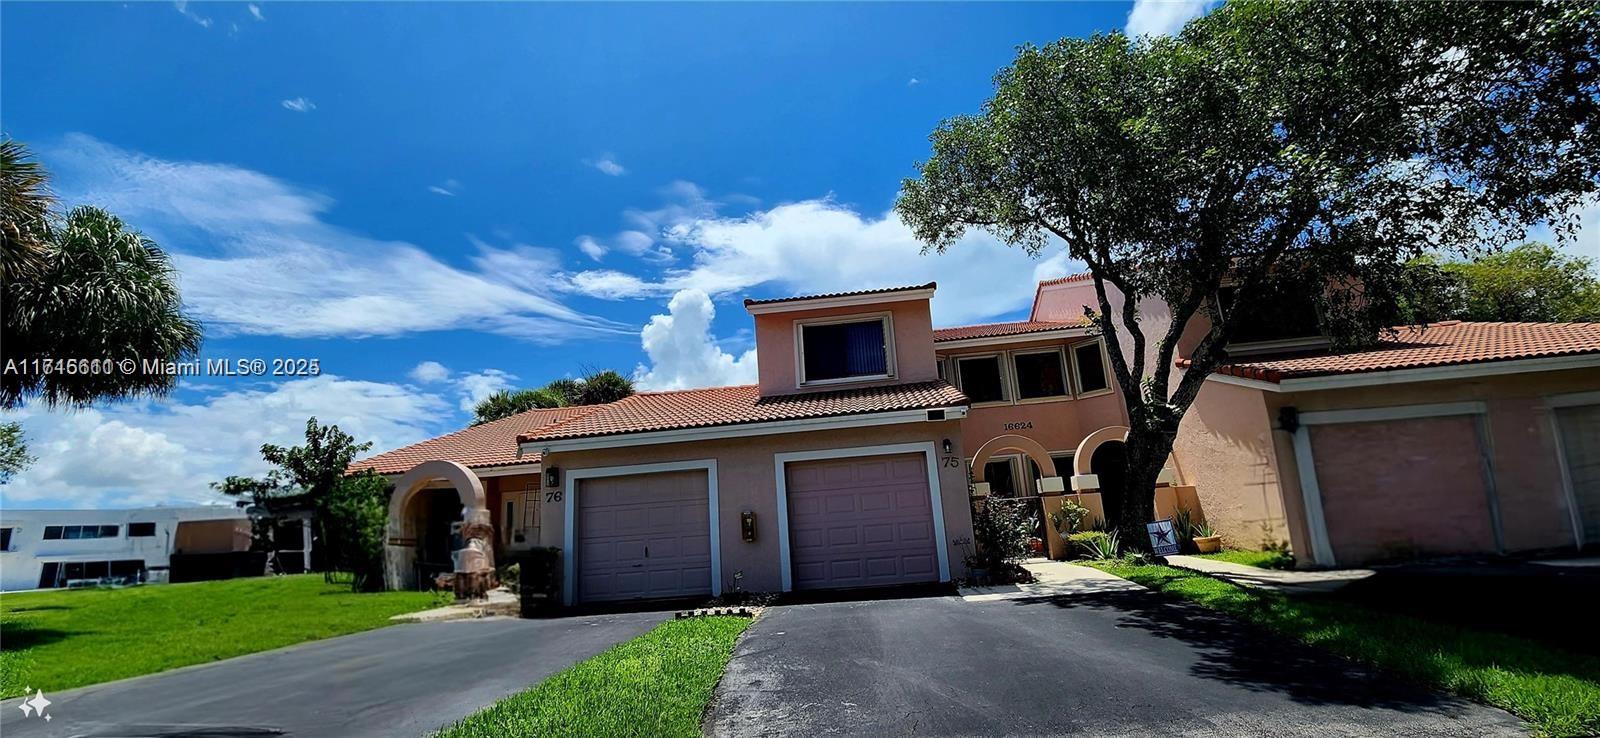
(1109, 464)
(416, 503)
(1022, 490)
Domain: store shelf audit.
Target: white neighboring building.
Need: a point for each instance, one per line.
(54, 548)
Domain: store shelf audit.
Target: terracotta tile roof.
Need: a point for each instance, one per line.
(718, 406)
(1080, 277)
(480, 446)
(931, 285)
(1442, 344)
(991, 330)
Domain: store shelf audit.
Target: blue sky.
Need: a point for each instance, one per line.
(438, 200)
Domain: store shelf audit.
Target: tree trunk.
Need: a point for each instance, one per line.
(1148, 446)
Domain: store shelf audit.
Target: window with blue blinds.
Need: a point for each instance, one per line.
(844, 350)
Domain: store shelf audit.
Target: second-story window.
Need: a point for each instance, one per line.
(5, 538)
(841, 351)
(1040, 374)
(1091, 367)
(980, 378)
(141, 530)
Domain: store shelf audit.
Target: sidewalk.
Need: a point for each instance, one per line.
(1287, 581)
(1054, 578)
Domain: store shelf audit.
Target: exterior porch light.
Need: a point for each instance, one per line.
(947, 445)
(552, 477)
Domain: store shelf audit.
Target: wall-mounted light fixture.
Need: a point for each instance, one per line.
(747, 526)
(947, 445)
(552, 476)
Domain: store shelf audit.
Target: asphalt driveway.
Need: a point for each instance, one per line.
(1119, 661)
(404, 680)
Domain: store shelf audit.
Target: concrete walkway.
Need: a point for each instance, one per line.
(1054, 578)
(1288, 581)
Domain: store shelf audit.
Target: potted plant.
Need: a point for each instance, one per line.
(1206, 540)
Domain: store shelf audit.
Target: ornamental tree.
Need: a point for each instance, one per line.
(1269, 144)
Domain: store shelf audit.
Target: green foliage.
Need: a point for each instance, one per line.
(1099, 546)
(1556, 690)
(25, 204)
(1183, 528)
(1001, 529)
(597, 388)
(1270, 144)
(506, 403)
(102, 291)
(358, 509)
(1533, 282)
(350, 511)
(655, 685)
(1087, 543)
(1068, 519)
(14, 456)
(60, 639)
(1203, 530)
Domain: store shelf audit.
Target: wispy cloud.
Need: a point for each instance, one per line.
(182, 6)
(299, 105)
(448, 188)
(255, 11)
(607, 164)
(255, 257)
(1164, 17)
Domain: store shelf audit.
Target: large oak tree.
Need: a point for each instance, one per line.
(1270, 143)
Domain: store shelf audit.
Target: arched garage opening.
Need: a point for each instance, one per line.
(414, 510)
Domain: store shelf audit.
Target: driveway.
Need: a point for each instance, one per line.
(404, 680)
(1112, 660)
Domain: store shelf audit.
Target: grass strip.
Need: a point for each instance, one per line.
(60, 639)
(655, 685)
(1558, 692)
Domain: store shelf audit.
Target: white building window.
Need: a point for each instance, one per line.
(1040, 374)
(1089, 364)
(845, 350)
(981, 379)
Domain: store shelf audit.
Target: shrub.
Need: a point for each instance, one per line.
(1001, 529)
(1069, 518)
(1080, 544)
(1183, 527)
(1094, 544)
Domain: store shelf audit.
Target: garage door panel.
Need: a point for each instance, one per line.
(643, 537)
(858, 522)
(1403, 488)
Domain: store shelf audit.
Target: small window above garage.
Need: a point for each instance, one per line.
(849, 350)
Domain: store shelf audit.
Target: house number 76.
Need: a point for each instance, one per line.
(553, 495)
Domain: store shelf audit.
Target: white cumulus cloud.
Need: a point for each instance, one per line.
(1164, 17)
(683, 353)
(168, 452)
(429, 372)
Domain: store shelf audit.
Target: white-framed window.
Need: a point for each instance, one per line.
(1089, 367)
(1004, 475)
(1041, 374)
(982, 378)
(1063, 460)
(7, 536)
(847, 349)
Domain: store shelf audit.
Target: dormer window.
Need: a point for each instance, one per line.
(845, 349)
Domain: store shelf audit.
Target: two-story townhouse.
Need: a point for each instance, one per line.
(1456, 438)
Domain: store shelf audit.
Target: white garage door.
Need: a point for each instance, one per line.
(1580, 444)
(645, 536)
(860, 522)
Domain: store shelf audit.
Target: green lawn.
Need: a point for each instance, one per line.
(655, 685)
(1258, 559)
(1557, 691)
(70, 638)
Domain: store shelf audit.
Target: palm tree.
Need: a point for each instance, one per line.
(602, 387)
(25, 203)
(102, 291)
(506, 403)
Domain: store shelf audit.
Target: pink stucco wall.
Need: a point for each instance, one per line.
(1226, 449)
(1057, 424)
(913, 345)
(746, 475)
